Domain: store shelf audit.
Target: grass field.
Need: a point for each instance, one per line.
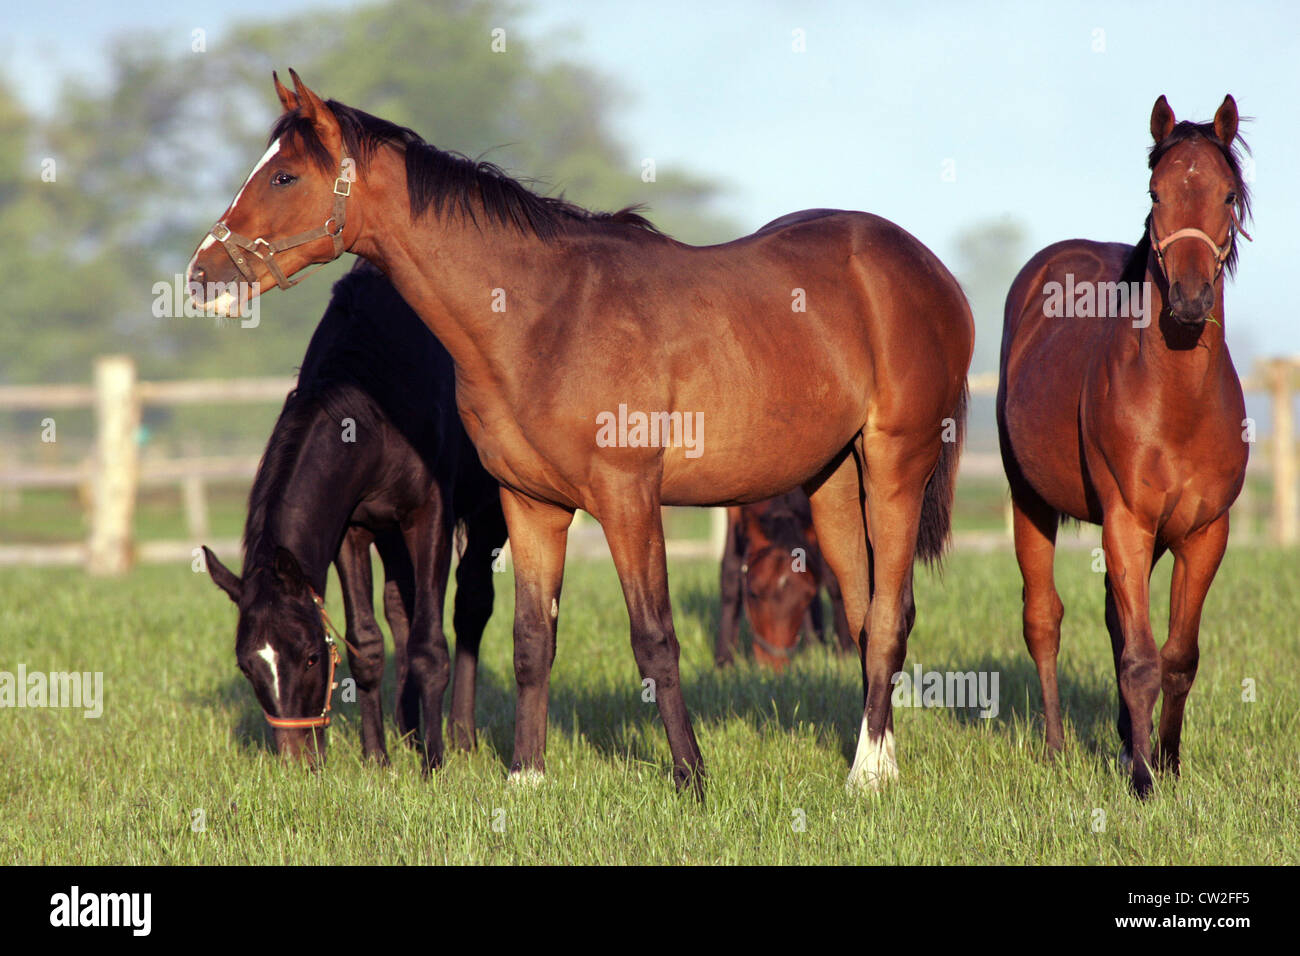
(181, 733)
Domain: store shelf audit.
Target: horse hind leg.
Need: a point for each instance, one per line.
(838, 516)
(843, 635)
(1196, 561)
(1034, 525)
(897, 469)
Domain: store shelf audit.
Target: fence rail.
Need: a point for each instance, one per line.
(114, 471)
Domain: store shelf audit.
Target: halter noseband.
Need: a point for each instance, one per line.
(239, 248)
(307, 723)
(1221, 253)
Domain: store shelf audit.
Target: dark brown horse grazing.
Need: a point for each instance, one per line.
(368, 449)
(773, 570)
(1132, 422)
(601, 365)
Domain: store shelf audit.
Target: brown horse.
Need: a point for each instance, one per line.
(772, 568)
(827, 350)
(1131, 423)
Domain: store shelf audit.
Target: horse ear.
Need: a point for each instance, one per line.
(288, 570)
(222, 576)
(1225, 121)
(288, 100)
(321, 116)
(1162, 120)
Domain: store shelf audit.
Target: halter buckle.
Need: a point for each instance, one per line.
(347, 187)
(224, 228)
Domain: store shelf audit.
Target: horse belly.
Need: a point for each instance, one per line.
(1040, 425)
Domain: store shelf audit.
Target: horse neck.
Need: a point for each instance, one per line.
(1167, 351)
(309, 507)
(449, 269)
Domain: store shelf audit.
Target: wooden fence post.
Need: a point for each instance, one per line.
(194, 497)
(116, 466)
(1284, 468)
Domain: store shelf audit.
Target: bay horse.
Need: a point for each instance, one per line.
(773, 571)
(1133, 422)
(367, 449)
(828, 350)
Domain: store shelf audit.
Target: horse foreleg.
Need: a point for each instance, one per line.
(399, 605)
(366, 663)
(428, 534)
(1129, 548)
(629, 513)
(1196, 561)
(485, 534)
(538, 535)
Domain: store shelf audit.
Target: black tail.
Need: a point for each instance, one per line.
(936, 509)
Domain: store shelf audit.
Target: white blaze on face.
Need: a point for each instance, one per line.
(266, 158)
(222, 304)
(268, 654)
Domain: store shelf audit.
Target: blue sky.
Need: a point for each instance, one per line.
(1035, 121)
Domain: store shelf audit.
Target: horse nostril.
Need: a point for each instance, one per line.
(1206, 297)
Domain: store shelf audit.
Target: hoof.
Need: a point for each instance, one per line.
(874, 764)
(527, 778)
(1125, 758)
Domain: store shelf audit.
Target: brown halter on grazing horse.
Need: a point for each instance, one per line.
(828, 350)
(1134, 422)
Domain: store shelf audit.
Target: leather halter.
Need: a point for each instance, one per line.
(306, 723)
(1221, 253)
(784, 653)
(241, 248)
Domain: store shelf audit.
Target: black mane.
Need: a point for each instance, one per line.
(1136, 266)
(450, 182)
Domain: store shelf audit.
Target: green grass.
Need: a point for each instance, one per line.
(181, 732)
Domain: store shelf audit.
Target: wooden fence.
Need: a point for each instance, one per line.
(114, 472)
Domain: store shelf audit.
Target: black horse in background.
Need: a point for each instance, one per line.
(369, 448)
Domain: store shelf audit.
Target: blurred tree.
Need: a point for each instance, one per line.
(989, 254)
(148, 161)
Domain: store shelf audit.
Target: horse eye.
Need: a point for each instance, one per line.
(311, 661)
(1154, 197)
(1232, 198)
(283, 179)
